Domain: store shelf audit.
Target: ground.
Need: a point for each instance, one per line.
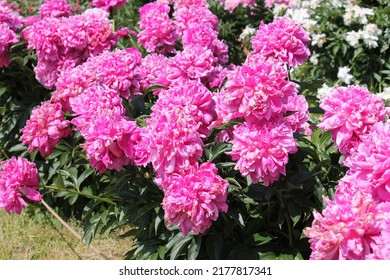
(23, 237)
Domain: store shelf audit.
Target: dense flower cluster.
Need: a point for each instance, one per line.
(92, 92)
(116, 70)
(108, 4)
(109, 135)
(174, 142)
(18, 178)
(350, 112)
(355, 225)
(10, 22)
(45, 128)
(259, 92)
(282, 39)
(194, 197)
(62, 43)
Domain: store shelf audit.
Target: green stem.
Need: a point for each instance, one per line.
(81, 193)
(290, 230)
(289, 224)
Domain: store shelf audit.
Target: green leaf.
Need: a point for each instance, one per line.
(268, 256)
(18, 148)
(85, 175)
(176, 238)
(59, 182)
(216, 149)
(194, 248)
(259, 239)
(237, 216)
(153, 88)
(2, 90)
(214, 246)
(315, 110)
(177, 248)
(214, 132)
(294, 211)
(73, 198)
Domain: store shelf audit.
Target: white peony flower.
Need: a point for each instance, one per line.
(385, 94)
(353, 38)
(344, 76)
(302, 17)
(323, 91)
(370, 35)
(314, 58)
(357, 14)
(247, 32)
(318, 39)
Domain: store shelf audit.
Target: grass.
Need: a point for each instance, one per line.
(23, 237)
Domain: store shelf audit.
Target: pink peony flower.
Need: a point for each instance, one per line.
(351, 184)
(142, 155)
(186, 3)
(7, 38)
(230, 5)
(116, 70)
(109, 141)
(193, 99)
(63, 43)
(282, 39)
(199, 34)
(107, 4)
(71, 83)
(256, 90)
(158, 32)
(193, 197)
(10, 22)
(194, 62)
(18, 178)
(153, 71)
(298, 107)
(93, 101)
(204, 35)
(55, 9)
(194, 16)
(346, 229)
(370, 161)
(45, 128)
(288, 3)
(350, 112)
(381, 246)
(10, 17)
(174, 141)
(261, 150)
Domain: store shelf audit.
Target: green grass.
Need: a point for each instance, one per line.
(23, 238)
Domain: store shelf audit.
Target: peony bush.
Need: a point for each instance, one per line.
(214, 129)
